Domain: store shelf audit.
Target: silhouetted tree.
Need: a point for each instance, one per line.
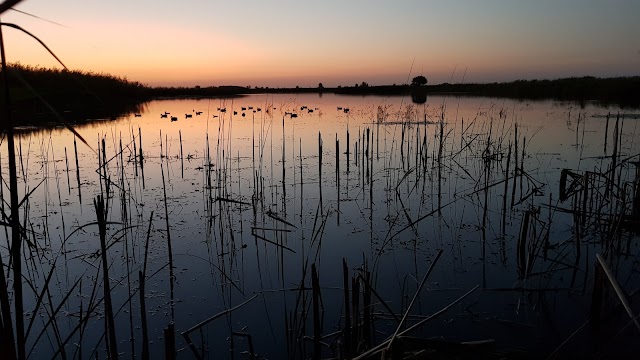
(419, 80)
(320, 86)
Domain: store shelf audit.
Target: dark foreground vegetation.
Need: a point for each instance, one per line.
(44, 96)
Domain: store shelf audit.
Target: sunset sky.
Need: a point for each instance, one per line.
(297, 42)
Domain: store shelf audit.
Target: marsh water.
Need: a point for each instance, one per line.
(248, 196)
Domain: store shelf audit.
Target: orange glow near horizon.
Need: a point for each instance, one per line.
(284, 46)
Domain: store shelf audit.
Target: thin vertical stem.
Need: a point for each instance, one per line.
(16, 241)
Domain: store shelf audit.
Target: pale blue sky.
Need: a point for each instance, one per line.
(335, 42)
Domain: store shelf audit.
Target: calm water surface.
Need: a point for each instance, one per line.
(253, 199)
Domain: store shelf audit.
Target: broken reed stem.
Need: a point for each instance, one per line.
(618, 290)
(415, 296)
(186, 333)
(382, 345)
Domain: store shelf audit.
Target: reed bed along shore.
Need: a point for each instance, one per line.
(306, 226)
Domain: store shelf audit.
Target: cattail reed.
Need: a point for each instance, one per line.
(284, 168)
(301, 181)
(75, 150)
(169, 247)
(101, 213)
(320, 166)
(347, 313)
(140, 148)
(347, 148)
(66, 162)
(606, 133)
(170, 342)
(522, 173)
(504, 197)
(338, 176)
(515, 166)
(522, 245)
(317, 326)
(181, 155)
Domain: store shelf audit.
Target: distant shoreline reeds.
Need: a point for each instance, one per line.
(83, 95)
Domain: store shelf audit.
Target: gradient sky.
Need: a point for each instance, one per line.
(343, 42)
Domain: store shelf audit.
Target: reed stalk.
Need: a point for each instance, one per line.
(170, 342)
(347, 313)
(169, 247)
(16, 241)
(317, 326)
(101, 213)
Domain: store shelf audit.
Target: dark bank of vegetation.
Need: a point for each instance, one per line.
(40, 95)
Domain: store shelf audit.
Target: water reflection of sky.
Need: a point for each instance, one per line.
(212, 242)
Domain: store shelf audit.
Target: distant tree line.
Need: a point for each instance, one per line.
(78, 95)
(620, 91)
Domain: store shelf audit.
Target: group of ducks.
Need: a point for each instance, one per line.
(175, 118)
(302, 108)
(244, 110)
